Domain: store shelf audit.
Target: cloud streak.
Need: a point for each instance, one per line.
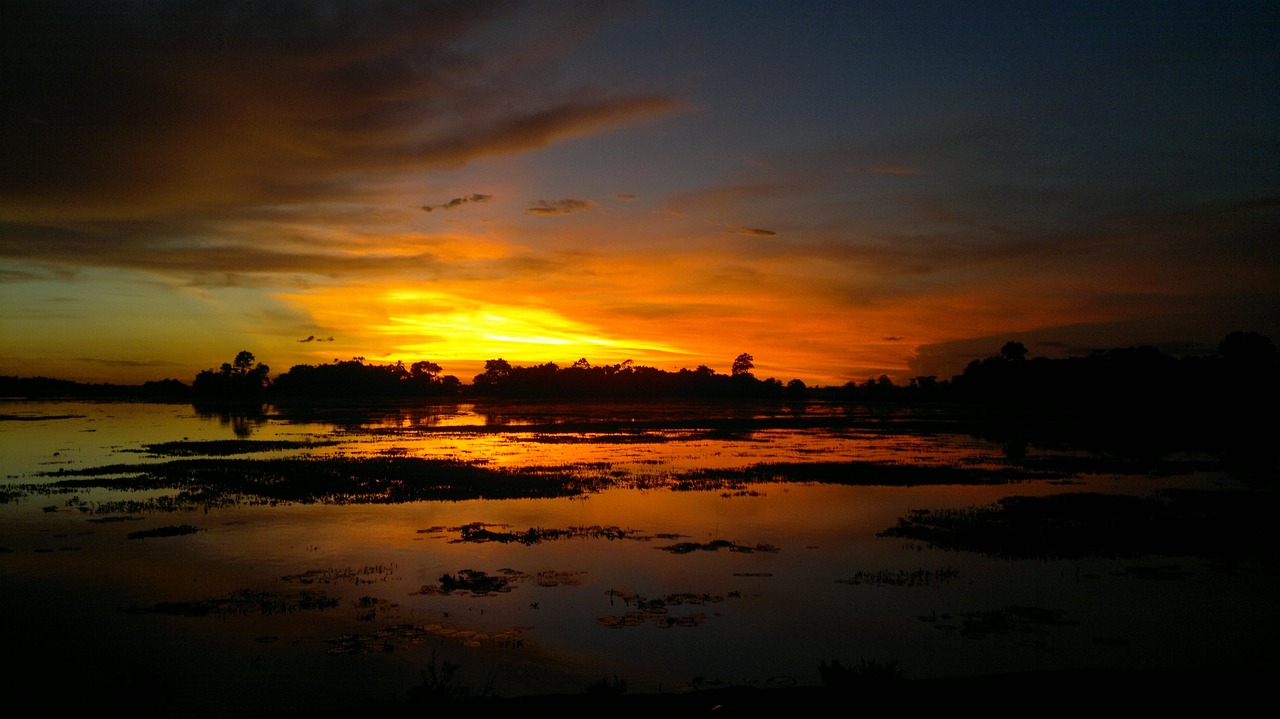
(567, 206)
(751, 232)
(457, 202)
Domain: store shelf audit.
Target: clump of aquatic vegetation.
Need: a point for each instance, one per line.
(606, 687)
(209, 483)
(1204, 523)
(479, 583)
(405, 636)
(856, 472)
(902, 578)
(225, 447)
(367, 608)
(244, 601)
(363, 575)
(716, 545)
(983, 623)
(656, 611)
(440, 688)
(171, 531)
(866, 674)
(479, 532)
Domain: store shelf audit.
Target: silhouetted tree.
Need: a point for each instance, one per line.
(1248, 351)
(241, 379)
(429, 370)
(1014, 351)
(743, 364)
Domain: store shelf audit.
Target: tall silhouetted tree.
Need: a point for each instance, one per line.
(743, 364)
(242, 378)
(1014, 351)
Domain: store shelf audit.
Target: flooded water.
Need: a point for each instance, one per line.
(672, 547)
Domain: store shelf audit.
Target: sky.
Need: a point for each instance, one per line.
(840, 189)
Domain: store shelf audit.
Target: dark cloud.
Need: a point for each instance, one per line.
(313, 338)
(457, 202)
(134, 109)
(567, 206)
(751, 232)
(892, 339)
(626, 196)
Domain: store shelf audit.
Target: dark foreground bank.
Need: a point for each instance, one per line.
(1053, 693)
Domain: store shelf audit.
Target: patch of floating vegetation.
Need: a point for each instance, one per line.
(244, 602)
(364, 575)
(656, 611)
(368, 608)
(170, 531)
(225, 447)
(1201, 523)
(621, 437)
(716, 545)
(479, 584)
(206, 483)
(402, 636)
(981, 624)
(860, 473)
(474, 582)
(37, 417)
(210, 483)
(479, 532)
(902, 578)
(552, 578)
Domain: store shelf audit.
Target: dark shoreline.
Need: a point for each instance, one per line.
(1051, 691)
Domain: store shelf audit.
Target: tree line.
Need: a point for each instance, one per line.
(245, 378)
(1245, 371)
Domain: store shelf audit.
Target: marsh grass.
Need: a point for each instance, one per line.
(171, 531)
(902, 578)
(440, 687)
(210, 483)
(224, 447)
(206, 483)
(243, 602)
(1204, 523)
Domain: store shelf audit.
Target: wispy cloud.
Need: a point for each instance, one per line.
(313, 338)
(457, 202)
(751, 232)
(567, 206)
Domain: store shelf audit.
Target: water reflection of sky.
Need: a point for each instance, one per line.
(768, 616)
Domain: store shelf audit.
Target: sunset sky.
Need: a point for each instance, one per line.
(842, 190)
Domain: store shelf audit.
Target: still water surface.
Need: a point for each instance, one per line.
(273, 607)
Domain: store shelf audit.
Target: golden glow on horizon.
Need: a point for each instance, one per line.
(410, 324)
